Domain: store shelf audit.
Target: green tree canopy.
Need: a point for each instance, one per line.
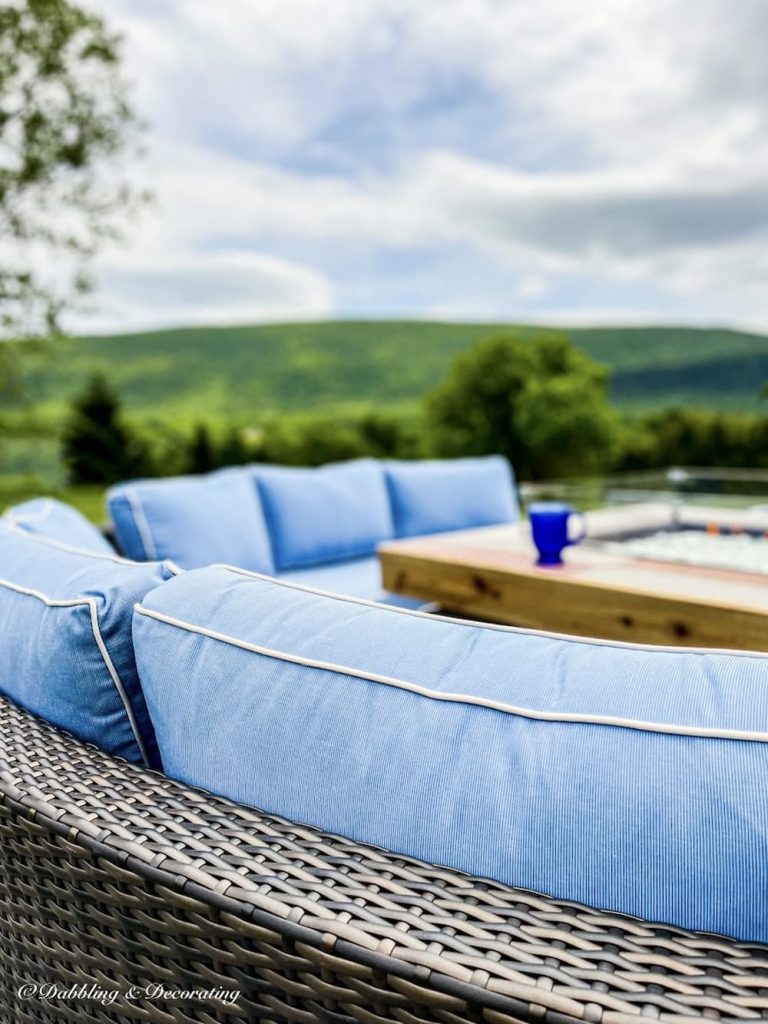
(201, 454)
(541, 402)
(64, 119)
(98, 447)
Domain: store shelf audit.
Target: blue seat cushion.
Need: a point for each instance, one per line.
(329, 514)
(193, 520)
(66, 652)
(632, 779)
(434, 496)
(59, 522)
(360, 577)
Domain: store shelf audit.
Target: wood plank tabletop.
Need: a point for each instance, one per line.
(490, 574)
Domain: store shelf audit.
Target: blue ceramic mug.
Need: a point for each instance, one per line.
(549, 526)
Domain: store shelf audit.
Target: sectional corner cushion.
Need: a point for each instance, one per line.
(58, 522)
(331, 513)
(358, 577)
(66, 651)
(632, 779)
(438, 495)
(192, 520)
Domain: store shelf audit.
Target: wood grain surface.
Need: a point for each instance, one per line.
(490, 574)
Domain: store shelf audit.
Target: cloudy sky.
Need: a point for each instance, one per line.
(466, 159)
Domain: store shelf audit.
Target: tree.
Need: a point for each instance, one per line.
(64, 119)
(234, 450)
(98, 448)
(388, 435)
(695, 437)
(541, 402)
(201, 457)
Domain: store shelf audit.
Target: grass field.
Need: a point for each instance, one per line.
(89, 499)
(242, 373)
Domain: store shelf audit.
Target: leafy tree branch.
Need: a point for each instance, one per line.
(64, 122)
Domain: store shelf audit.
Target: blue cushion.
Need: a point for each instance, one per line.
(633, 779)
(360, 577)
(193, 520)
(328, 514)
(59, 522)
(434, 496)
(65, 645)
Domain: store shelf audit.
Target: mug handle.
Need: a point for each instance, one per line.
(583, 534)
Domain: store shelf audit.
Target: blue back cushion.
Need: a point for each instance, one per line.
(193, 520)
(50, 518)
(65, 640)
(633, 779)
(328, 514)
(433, 496)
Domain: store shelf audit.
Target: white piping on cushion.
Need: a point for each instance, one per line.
(132, 497)
(86, 552)
(131, 494)
(574, 718)
(497, 626)
(89, 602)
(33, 517)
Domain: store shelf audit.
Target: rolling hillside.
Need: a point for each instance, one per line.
(243, 372)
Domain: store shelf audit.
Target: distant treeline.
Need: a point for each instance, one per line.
(695, 437)
(543, 403)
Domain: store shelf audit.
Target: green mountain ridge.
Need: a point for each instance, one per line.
(243, 373)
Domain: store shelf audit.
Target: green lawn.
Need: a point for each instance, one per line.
(90, 499)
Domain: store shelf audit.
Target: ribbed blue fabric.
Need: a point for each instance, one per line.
(434, 496)
(666, 826)
(57, 521)
(193, 520)
(328, 514)
(122, 514)
(286, 520)
(359, 577)
(51, 661)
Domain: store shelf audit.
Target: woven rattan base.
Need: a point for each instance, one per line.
(120, 889)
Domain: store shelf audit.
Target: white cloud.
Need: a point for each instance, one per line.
(621, 143)
(144, 291)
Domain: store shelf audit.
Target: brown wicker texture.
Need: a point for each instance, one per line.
(113, 876)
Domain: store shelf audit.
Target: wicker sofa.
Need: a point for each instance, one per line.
(121, 890)
(115, 877)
